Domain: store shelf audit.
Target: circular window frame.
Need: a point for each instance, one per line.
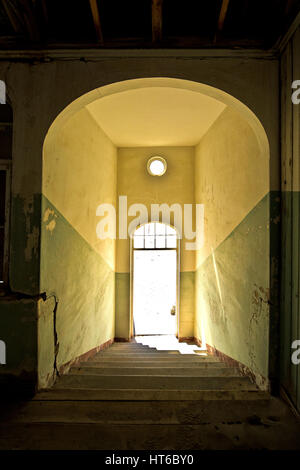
(160, 159)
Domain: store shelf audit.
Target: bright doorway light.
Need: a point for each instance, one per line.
(154, 292)
(155, 280)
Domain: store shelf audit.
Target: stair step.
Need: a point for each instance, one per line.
(143, 352)
(141, 412)
(156, 371)
(129, 346)
(148, 349)
(154, 357)
(206, 436)
(148, 382)
(153, 364)
(157, 348)
(87, 394)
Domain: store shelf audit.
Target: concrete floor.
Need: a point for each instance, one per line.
(133, 397)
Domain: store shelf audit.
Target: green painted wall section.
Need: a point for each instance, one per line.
(18, 329)
(187, 304)
(290, 304)
(122, 303)
(18, 312)
(232, 295)
(82, 284)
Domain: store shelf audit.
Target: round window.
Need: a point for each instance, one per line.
(156, 166)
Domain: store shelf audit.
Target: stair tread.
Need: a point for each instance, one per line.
(83, 394)
(155, 372)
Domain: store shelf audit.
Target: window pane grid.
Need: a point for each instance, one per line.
(155, 235)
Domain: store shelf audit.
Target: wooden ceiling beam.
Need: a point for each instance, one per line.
(21, 15)
(223, 13)
(288, 6)
(96, 20)
(221, 19)
(156, 21)
(31, 20)
(13, 16)
(45, 11)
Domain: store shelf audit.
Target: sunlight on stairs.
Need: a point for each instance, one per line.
(171, 343)
(153, 368)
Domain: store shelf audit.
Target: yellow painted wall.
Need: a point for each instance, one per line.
(175, 186)
(79, 174)
(232, 274)
(231, 177)
(77, 269)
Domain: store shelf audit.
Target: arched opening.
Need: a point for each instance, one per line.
(155, 280)
(96, 152)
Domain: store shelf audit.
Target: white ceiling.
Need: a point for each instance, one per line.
(155, 116)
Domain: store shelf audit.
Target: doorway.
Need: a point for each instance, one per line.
(155, 280)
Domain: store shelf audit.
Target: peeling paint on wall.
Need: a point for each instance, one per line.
(47, 213)
(24, 264)
(50, 214)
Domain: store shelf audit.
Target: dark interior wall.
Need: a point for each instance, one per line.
(18, 303)
(290, 183)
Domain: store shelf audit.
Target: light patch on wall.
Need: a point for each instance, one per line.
(49, 213)
(218, 282)
(227, 160)
(51, 226)
(81, 155)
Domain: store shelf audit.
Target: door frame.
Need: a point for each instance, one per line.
(131, 332)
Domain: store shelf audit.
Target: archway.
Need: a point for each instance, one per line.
(224, 284)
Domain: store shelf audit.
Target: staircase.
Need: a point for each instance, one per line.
(131, 371)
(133, 397)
